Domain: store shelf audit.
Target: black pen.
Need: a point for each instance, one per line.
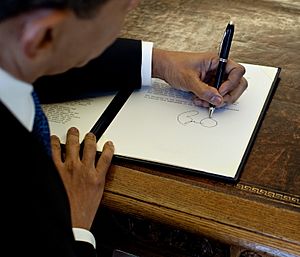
(223, 57)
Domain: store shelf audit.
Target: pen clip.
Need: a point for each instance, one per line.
(221, 43)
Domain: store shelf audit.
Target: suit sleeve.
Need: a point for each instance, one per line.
(119, 66)
(84, 249)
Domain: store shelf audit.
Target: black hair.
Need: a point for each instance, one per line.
(82, 8)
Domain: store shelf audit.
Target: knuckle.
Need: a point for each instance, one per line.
(90, 142)
(244, 83)
(242, 69)
(89, 148)
(70, 165)
(106, 158)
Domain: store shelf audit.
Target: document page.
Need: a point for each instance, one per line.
(161, 125)
(81, 114)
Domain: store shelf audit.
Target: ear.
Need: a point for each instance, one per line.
(133, 4)
(37, 33)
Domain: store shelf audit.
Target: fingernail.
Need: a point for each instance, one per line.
(216, 100)
(73, 130)
(110, 143)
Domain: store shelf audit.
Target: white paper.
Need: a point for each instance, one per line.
(162, 125)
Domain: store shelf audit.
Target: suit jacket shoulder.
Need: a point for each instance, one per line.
(119, 66)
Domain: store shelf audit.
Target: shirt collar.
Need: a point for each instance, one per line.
(16, 96)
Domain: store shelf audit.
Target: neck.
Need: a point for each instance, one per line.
(14, 70)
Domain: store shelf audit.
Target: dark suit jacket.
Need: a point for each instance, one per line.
(36, 219)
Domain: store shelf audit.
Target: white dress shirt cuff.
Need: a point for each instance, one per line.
(81, 234)
(146, 63)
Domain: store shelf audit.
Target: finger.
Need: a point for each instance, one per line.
(205, 92)
(90, 148)
(197, 101)
(105, 159)
(233, 95)
(235, 73)
(72, 143)
(56, 150)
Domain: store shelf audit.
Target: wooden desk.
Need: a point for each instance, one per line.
(262, 211)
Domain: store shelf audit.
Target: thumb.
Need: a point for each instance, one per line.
(205, 92)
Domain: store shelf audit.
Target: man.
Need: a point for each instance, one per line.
(49, 202)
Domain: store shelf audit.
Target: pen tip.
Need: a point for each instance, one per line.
(210, 111)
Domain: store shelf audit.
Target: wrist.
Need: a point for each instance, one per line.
(158, 63)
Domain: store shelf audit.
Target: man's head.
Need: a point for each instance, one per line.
(83, 8)
(42, 37)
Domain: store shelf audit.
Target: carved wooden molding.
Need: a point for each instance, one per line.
(278, 196)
